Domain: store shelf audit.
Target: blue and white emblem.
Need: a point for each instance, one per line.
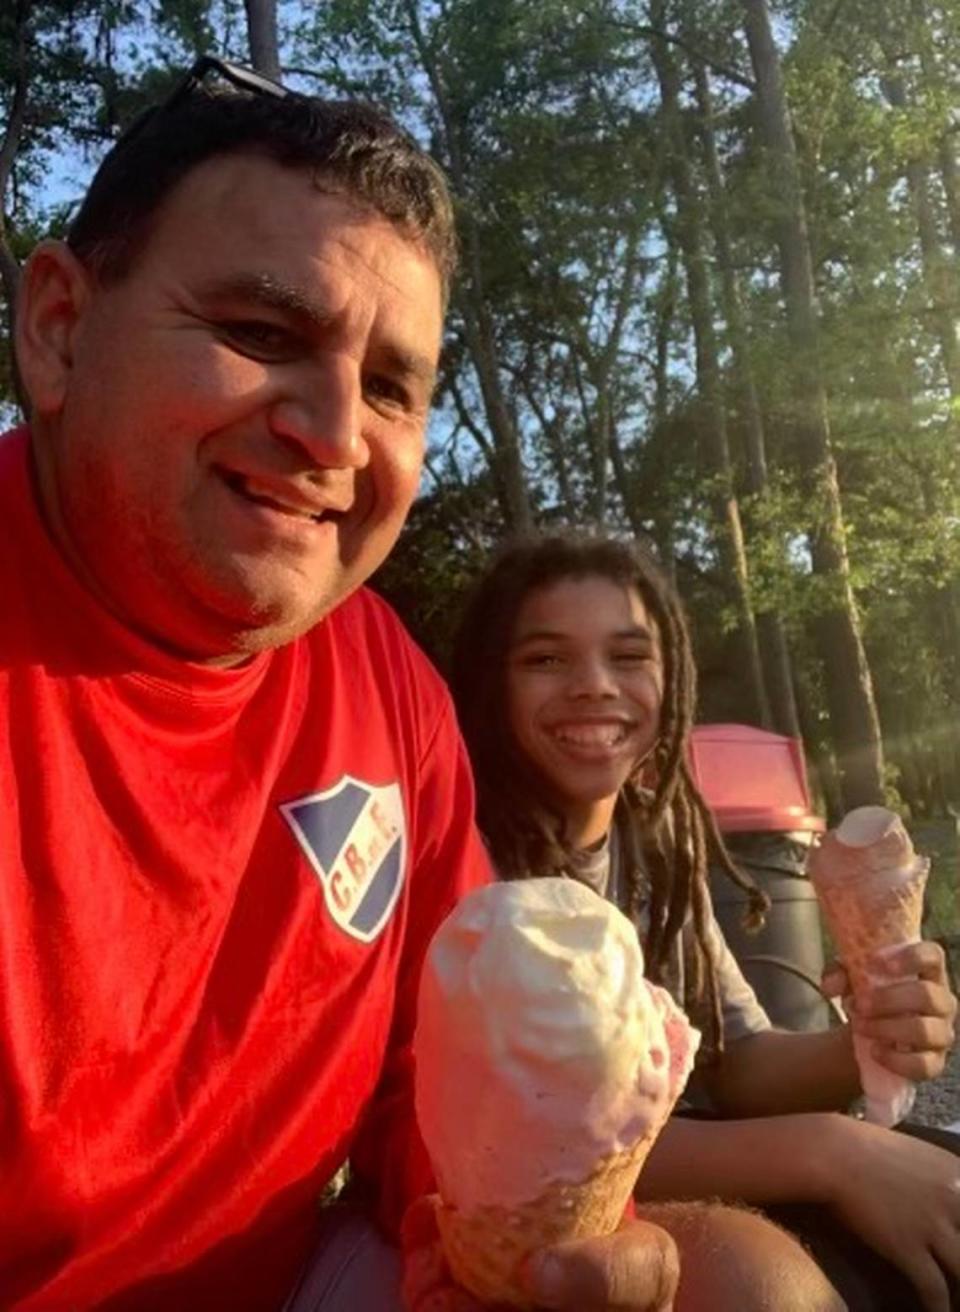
(355, 837)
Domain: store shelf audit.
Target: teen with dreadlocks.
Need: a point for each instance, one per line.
(575, 689)
(548, 792)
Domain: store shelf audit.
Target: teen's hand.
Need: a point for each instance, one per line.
(910, 1015)
(902, 1196)
(634, 1270)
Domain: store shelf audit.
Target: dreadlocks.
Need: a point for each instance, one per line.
(667, 833)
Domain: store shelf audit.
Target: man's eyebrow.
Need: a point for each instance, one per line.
(274, 294)
(410, 364)
(270, 292)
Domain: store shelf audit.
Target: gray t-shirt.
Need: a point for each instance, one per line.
(602, 869)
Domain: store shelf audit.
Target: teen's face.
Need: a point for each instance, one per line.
(585, 685)
(241, 428)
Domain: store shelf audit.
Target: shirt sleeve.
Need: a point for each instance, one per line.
(449, 860)
(741, 1010)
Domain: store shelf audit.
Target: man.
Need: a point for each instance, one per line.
(235, 805)
(235, 802)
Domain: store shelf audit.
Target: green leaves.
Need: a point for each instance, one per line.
(571, 334)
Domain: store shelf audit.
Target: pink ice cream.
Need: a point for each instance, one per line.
(870, 884)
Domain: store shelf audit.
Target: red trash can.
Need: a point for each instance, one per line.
(755, 783)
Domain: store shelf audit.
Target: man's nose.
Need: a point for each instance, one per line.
(320, 411)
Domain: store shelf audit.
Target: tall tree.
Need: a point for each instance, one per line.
(477, 319)
(848, 683)
(728, 529)
(262, 35)
(771, 633)
(16, 38)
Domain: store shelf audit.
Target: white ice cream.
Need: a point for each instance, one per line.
(540, 1047)
(869, 843)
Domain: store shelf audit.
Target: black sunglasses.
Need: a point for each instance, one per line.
(244, 79)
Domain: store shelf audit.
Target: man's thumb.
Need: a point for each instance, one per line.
(634, 1270)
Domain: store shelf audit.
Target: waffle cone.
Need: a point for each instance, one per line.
(484, 1248)
(866, 919)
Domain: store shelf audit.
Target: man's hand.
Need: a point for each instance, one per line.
(910, 1015)
(902, 1196)
(634, 1270)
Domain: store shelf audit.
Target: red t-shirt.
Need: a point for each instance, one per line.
(216, 888)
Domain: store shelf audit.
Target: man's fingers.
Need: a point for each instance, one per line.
(634, 1270)
(424, 1272)
(446, 1300)
(424, 1269)
(419, 1225)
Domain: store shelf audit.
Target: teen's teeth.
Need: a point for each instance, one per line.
(592, 735)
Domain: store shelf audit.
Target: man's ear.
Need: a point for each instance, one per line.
(54, 290)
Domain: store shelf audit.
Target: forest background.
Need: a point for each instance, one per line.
(709, 298)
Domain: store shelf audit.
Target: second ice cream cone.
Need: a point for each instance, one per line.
(870, 884)
(863, 922)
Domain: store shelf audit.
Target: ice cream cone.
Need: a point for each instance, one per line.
(870, 885)
(545, 1066)
(867, 920)
(486, 1247)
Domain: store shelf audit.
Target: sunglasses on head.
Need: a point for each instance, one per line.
(201, 71)
(245, 79)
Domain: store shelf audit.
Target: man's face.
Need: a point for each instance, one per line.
(241, 431)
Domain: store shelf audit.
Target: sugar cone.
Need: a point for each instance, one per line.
(871, 892)
(484, 1248)
(868, 918)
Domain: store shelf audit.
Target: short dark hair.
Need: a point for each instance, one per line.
(668, 833)
(347, 145)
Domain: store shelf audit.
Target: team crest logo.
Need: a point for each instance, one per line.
(355, 837)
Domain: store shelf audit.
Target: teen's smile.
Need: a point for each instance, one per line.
(585, 685)
(592, 738)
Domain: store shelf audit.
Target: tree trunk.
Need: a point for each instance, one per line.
(940, 287)
(606, 446)
(951, 189)
(774, 650)
(726, 511)
(9, 265)
(659, 507)
(478, 323)
(937, 276)
(936, 83)
(262, 37)
(622, 479)
(850, 699)
(478, 331)
(553, 435)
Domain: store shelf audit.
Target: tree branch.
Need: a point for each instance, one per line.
(656, 33)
